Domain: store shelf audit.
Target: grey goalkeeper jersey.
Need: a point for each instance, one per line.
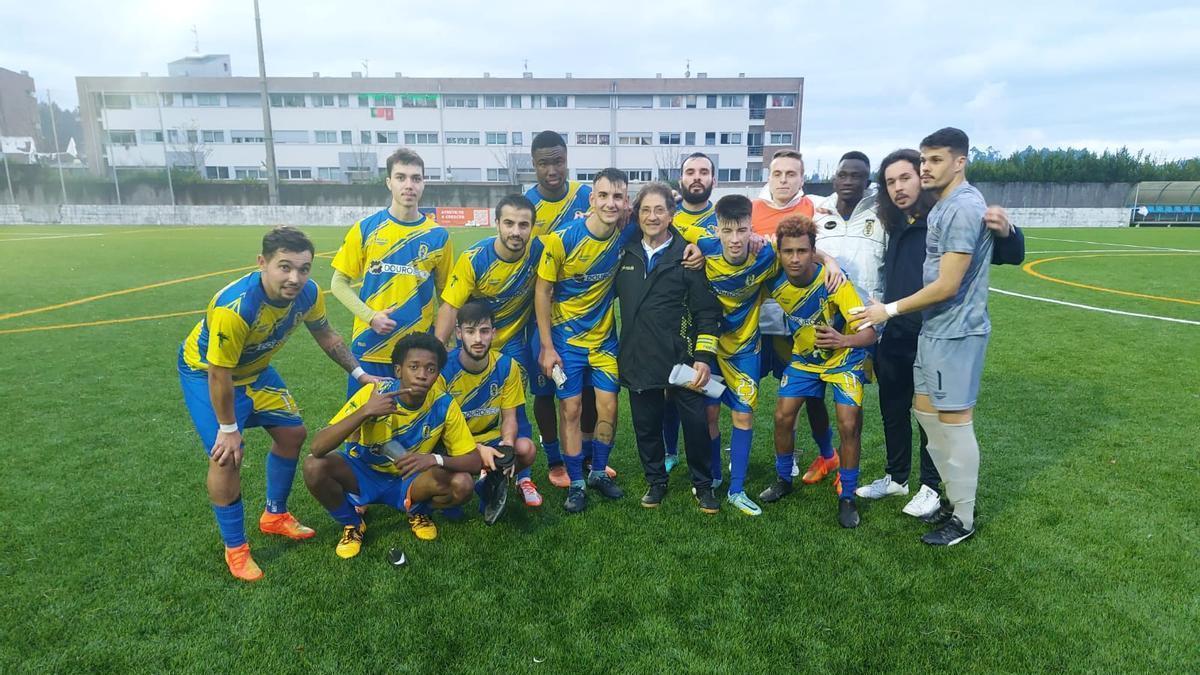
(956, 226)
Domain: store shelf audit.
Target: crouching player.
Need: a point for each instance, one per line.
(229, 385)
(420, 417)
(489, 389)
(825, 349)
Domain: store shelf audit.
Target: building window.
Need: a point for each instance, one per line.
(462, 138)
(689, 138)
(635, 101)
(669, 174)
(670, 101)
(556, 101)
(710, 138)
(588, 175)
(754, 175)
(514, 101)
(433, 173)
(327, 136)
(518, 138)
(283, 100)
(145, 100)
(168, 100)
(188, 135)
(783, 100)
(495, 101)
(497, 175)
(249, 173)
(668, 138)
(420, 138)
(691, 100)
(364, 137)
(329, 173)
(208, 100)
(122, 137)
(295, 174)
(535, 101)
(461, 102)
(216, 172)
(635, 138)
(592, 101)
(710, 101)
(731, 138)
(463, 174)
(347, 139)
(732, 101)
(323, 100)
(418, 101)
(781, 138)
(387, 137)
(584, 138)
(288, 136)
(150, 136)
(211, 136)
(640, 175)
(383, 101)
(246, 137)
(497, 138)
(731, 175)
(364, 101)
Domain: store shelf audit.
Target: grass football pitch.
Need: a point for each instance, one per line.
(1087, 556)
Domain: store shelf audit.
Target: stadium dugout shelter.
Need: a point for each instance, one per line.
(1165, 204)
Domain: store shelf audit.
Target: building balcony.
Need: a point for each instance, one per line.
(758, 113)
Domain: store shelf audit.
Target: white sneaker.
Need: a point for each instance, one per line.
(884, 487)
(925, 502)
(795, 464)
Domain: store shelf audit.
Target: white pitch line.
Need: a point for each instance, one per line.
(1094, 309)
(1110, 243)
(1100, 250)
(55, 236)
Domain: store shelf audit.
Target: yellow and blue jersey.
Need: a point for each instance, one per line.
(740, 289)
(507, 287)
(705, 219)
(553, 215)
(437, 423)
(582, 269)
(805, 308)
(242, 329)
(402, 266)
(483, 395)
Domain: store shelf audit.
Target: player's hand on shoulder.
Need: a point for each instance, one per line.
(693, 259)
(757, 241)
(834, 276)
(874, 313)
(228, 448)
(996, 220)
(382, 323)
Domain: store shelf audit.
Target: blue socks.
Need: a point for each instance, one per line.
(716, 457)
(824, 442)
(739, 454)
(280, 473)
(231, 523)
(671, 428)
(524, 473)
(574, 467)
(589, 446)
(600, 453)
(783, 467)
(553, 455)
(849, 478)
(345, 514)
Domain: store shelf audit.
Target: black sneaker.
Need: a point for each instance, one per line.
(494, 494)
(706, 499)
(654, 496)
(847, 513)
(776, 491)
(576, 500)
(949, 534)
(940, 516)
(605, 485)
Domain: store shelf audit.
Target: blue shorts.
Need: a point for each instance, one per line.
(776, 354)
(847, 385)
(742, 373)
(376, 369)
(376, 487)
(595, 368)
(265, 402)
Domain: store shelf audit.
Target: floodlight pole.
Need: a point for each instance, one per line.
(12, 196)
(268, 136)
(166, 156)
(108, 133)
(57, 153)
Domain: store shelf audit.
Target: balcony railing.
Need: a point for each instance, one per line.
(758, 113)
(755, 151)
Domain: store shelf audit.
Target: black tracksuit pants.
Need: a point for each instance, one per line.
(647, 408)
(894, 359)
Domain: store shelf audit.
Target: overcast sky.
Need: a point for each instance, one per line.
(877, 75)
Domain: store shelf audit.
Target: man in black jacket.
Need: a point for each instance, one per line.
(669, 316)
(903, 208)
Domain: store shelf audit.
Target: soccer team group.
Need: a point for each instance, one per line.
(886, 282)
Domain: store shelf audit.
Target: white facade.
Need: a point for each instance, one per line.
(466, 129)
